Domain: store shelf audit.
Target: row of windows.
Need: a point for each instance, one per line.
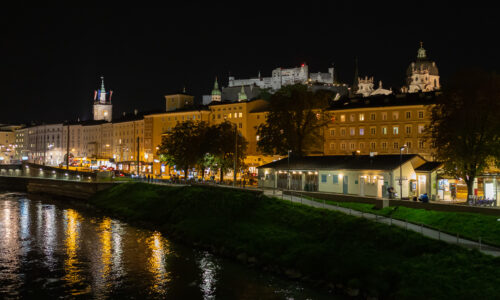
(373, 130)
(373, 146)
(383, 116)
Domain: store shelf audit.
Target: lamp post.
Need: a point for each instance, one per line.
(288, 177)
(401, 171)
(235, 153)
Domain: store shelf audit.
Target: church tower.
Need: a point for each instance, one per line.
(216, 93)
(102, 103)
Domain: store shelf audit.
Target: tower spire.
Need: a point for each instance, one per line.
(421, 51)
(355, 81)
(102, 85)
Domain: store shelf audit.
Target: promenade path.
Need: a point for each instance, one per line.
(425, 231)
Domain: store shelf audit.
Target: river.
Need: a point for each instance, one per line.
(49, 250)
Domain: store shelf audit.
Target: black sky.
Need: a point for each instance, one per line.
(52, 59)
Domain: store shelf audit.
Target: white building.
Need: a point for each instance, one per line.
(44, 144)
(282, 77)
(422, 75)
(365, 88)
(362, 175)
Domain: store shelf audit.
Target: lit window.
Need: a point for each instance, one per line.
(395, 130)
(342, 118)
(241, 115)
(257, 138)
(361, 117)
(421, 129)
(384, 130)
(361, 131)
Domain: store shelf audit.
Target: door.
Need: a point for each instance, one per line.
(345, 181)
(361, 186)
(380, 188)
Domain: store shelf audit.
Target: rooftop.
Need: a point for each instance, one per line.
(342, 162)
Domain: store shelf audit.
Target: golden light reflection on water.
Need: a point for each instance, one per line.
(105, 237)
(159, 247)
(73, 220)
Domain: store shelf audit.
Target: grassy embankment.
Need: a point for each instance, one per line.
(467, 225)
(324, 245)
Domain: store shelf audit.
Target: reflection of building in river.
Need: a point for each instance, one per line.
(9, 243)
(49, 234)
(159, 247)
(209, 269)
(72, 220)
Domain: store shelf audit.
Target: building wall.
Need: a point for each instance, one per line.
(361, 130)
(178, 101)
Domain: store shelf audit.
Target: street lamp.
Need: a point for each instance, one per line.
(401, 171)
(288, 174)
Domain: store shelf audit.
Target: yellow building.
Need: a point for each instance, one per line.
(155, 125)
(127, 143)
(380, 125)
(247, 115)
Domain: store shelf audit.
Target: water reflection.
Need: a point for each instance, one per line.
(209, 268)
(71, 264)
(159, 247)
(50, 252)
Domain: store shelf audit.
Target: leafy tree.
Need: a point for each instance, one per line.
(465, 124)
(223, 137)
(184, 145)
(295, 121)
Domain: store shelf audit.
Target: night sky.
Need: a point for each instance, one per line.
(52, 59)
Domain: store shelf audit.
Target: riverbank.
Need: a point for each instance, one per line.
(332, 249)
(473, 226)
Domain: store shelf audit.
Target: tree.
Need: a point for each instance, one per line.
(295, 121)
(184, 145)
(465, 126)
(223, 137)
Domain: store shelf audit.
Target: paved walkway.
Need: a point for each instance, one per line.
(425, 231)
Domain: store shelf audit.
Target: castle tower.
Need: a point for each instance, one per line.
(102, 103)
(216, 93)
(422, 75)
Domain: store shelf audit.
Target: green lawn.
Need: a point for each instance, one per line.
(467, 225)
(384, 261)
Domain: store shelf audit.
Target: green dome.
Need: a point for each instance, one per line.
(216, 91)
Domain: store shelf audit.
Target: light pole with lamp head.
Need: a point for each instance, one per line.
(289, 177)
(401, 171)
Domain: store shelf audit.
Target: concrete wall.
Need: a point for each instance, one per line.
(53, 188)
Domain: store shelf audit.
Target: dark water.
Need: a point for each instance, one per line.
(50, 251)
